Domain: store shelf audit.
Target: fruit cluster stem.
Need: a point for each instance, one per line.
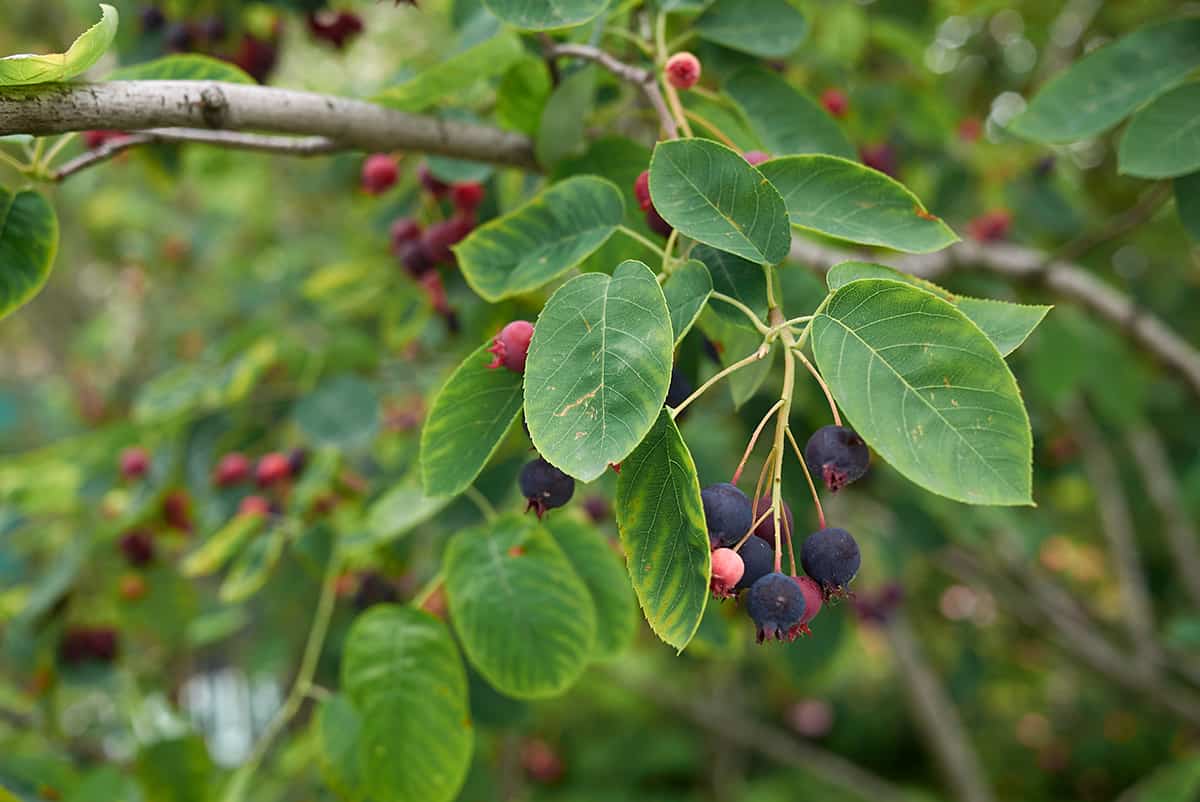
(781, 426)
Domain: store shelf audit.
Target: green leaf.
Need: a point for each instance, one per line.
(1178, 781)
(405, 677)
(525, 619)
(1187, 203)
(458, 72)
(522, 95)
(739, 279)
(470, 416)
(1098, 91)
(253, 566)
(221, 545)
(176, 770)
(1006, 324)
(663, 533)
(603, 572)
(560, 132)
(787, 120)
(711, 194)
(399, 510)
(1163, 139)
(598, 369)
(687, 290)
(28, 243)
(765, 28)
(927, 390)
(338, 728)
(850, 201)
(182, 67)
(734, 342)
(85, 51)
(540, 15)
(343, 411)
(541, 240)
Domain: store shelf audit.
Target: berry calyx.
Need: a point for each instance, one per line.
(766, 527)
(379, 173)
(467, 196)
(682, 70)
(138, 547)
(657, 224)
(255, 505)
(641, 190)
(511, 346)
(812, 605)
(233, 469)
(135, 462)
(990, 226)
(831, 558)
(271, 469)
(727, 570)
(727, 514)
(404, 230)
(835, 101)
(776, 605)
(545, 487)
(837, 455)
(756, 157)
(758, 559)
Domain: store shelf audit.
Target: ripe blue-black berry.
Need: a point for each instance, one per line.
(838, 455)
(776, 604)
(297, 461)
(727, 513)
(766, 527)
(679, 390)
(831, 558)
(545, 486)
(758, 559)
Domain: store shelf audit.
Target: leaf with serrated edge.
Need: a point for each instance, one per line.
(687, 290)
(598, 370)
(661, 519)
(525, 619)
(847, 200)
(927, 390)
(543, 239)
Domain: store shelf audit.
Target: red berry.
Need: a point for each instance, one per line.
(467, 196)
(881, 157)
(379, 173)
(990, 226)
(404, 229)
(335, 27)
(682, 70)
(138, 547)
(432, 282)
(257, 57)
(755, 157)
(641, 190)
(272, 468)
(727, 570)
(440, 236)
(231, 470)
(433, 185)
(812, 605)
(541, 762)
(254, 505)
(657, 224)
(511, 346)
(135, 462)
(95, 139)
(835, 102)
(970, 129)
(177, 510)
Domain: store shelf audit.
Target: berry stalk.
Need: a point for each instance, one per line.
(808, 475)
(754, 439)
(781, 425)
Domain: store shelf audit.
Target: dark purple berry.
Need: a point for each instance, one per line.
(727, 513)
(679, 389)
(545, 486)
(297, 461)
(766, 527)
(597, 509)
(374, 588)
(138, 547)
(837, 455)
(81, 644)
(657, 224)
(776, 604)
(153, 19)
(415, 257)
(178, 38)
(214, 29)
(758, 557)
(831, 558)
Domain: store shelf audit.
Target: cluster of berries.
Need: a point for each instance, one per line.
(255, 55)
(742, 536)
(83, 644)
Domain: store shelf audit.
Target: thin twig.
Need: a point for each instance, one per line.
(711, 126)
(816, 497)
(635, 236)
(741, 363)
(644, 79)
(737, 474)
(837, 418)
(762, 327)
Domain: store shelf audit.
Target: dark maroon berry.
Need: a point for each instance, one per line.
(837, 455)
(812, 605)
(881, 157)
(597, 509)
(257, 57)
(727, 514)
(880, 606)
(511, 346)
(82, 644)
(657, 224)
(831, 557)
(416, 258)
(335, 27)
(431, 183)
(439, 237)
(153, 19)
(135, 462)
(213, 29)
(467, 196)
(404, 229)
(138, 547)
(374, 588)
(766, 527)
(545, 486)
(177, 510)
(297, 461)
(727, 571)
(776, 604)
(178, 38)
(758, 559)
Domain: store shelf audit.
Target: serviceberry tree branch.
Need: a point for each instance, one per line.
(642, 78)
(1070, 281)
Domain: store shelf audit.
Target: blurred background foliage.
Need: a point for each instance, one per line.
(207, 301)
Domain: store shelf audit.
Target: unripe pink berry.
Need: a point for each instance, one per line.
(682, 70)
(379, 173)
(511, 346)
(727, 570)
(812, 605)
(641, 190)
(835, 102)
(231, 470)
(755, 157)
(254, 505)
(272, 468)
(135, 462)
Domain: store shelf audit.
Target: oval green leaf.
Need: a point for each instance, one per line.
(399, 510)
(28, 243)
(601, 569)
(663, 533)
(182, 67)
(343, 411)
(786, 120)
(765, 28)
(927, 390)
(458, 72)
(540, 15)
(847, 200)
(85, 51)
(469, 417)
(1098, 91)
(405, 677)
(1187, 203)
(711, 194)
(252, 567)
(337, 727)
(543, 239)
(687, 290)
(525, 619)
(1163, 139)
(739, 279)
(598, 369)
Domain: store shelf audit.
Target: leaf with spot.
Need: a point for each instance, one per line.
(525, 619)
(28, 243)
(661, 519)
(786, 120)
(847, 200)
(711, 194)
(466, 423)
(598, 369)
(86, 50)
(1163, 139)
(687, 290)
(927, 390)
(541, 240)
